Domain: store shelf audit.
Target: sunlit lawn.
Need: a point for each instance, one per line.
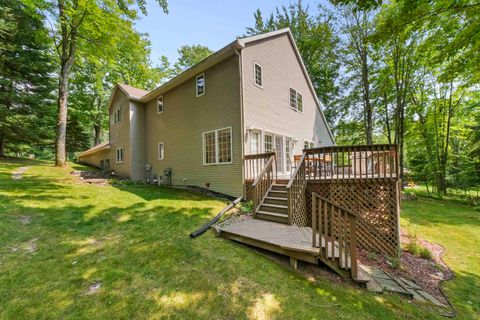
(130, 246)
(457, 228)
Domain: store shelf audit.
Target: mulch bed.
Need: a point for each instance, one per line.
(428, 274)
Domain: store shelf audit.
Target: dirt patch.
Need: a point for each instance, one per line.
(98, 178)
(24, 219)
(18, 174)
(93, 288)
(29, 246)
(428, 274)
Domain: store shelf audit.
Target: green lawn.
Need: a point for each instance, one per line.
(58, 238)
(457, 228)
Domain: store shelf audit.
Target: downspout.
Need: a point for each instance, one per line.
(242, 120)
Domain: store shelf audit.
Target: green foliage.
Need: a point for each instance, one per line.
(372, 256)
(191, 55)
(246, 206)
(394, 262)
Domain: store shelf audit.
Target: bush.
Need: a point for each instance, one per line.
(372, 256)
(415, 248)
(246, 206)
(394, 262)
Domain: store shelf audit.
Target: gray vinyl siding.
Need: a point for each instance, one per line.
(137, 140)
(120, 135)
(268, 108)
(184, 120)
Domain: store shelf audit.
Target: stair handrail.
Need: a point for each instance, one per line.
(336, 227)
(296, 189)
(263, 182)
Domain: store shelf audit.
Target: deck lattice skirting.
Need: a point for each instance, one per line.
(374, 202)
(361, 179)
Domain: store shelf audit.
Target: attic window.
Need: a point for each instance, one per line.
(200, 85)
(160, 104)
(296, 101)
(258, 74)
(116, 116)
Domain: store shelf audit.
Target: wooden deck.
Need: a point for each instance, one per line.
(290, 240)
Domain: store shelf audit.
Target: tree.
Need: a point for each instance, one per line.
(25, 77)
(191, 55)
(358, 28)
(79, 27)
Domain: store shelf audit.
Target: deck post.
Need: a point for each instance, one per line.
(293, 263)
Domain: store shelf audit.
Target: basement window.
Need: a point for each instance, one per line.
(161, 150)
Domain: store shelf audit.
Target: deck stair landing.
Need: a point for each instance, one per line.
(289, 240)
(274, 205)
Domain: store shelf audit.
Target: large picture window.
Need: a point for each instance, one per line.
(217, 146)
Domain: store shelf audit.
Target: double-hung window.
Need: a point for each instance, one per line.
(258, 74)
(161, 150)
(160, 104)
(217, 146)
(116, 116)
(200, 85)
(296, 101)
(119, 154)
(268, 142)
(308, 144)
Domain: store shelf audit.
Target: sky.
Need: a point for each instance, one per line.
(208, 22)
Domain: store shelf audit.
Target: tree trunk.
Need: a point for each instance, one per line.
(2, 146)
(98, 134)
(61, 150)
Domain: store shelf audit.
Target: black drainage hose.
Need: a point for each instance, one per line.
(207, 225)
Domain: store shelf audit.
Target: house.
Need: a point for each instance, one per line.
(252, 96)
(246, 122)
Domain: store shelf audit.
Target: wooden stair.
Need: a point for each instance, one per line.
(274, 206)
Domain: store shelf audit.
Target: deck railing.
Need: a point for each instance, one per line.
(255, 163)
(334, 232)
(296, 188)
(378, 161)
(263, 182)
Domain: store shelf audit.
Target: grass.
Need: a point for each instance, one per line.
(58, 238)
(457, 228)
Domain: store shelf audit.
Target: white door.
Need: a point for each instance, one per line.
(280, 153)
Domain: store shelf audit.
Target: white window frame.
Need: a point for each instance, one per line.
(272, 146)
(296, 100)
(163, 106)
(161, 155)
(117, 153)
(216, 163)
(310, 143)
(255, 74)
(204, 85)
(116, 116)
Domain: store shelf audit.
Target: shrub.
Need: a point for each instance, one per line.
(246, 206)
(425, 254)
(394, 262)
(415, 248)
(372, 256)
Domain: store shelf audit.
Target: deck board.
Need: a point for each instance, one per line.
(277, 234)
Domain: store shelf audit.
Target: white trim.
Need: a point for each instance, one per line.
(216, 147)
(255, 75)
(116, 155)
(204, 85)
(161, 156)
(163, 106)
